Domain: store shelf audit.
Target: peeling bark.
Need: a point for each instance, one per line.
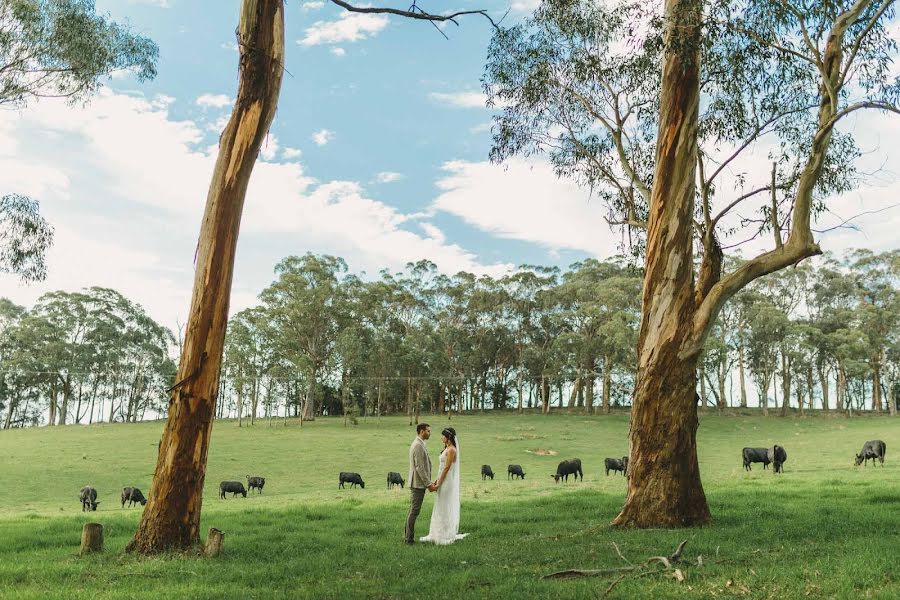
(171, 519)
(664, 488)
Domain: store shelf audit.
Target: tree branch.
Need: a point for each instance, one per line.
(417, 13)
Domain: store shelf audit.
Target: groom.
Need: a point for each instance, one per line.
(419, 479)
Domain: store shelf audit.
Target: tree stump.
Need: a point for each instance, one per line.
(91, 538)
(214, 542)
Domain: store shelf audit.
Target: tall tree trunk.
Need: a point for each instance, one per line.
(589, 392)
(876, 387)
(664, 487)
(240, 400)
(741, 375)
(309, 407)
(51, 420)
(892, 402)
(254, 404)
(701, 375)
(573, 397)
(823, 383)
(607, 380)
(519, 386)
(786, 365)
(810, 388)
(171, 518)
(721, 376)
(67, 393)
(545, 395)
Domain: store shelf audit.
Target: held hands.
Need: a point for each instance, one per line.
(434, 486)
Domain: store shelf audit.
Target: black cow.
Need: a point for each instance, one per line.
(235, 487)
(515, 470)
(777, 456)
(486, 472)
(393, 479)
(616, 464)
(873, 449)
(255, 482)
(566, 468)
(88, 497)
(132, 496)
(352, 479)
(752, 455)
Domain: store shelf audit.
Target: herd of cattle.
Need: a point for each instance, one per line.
(776, 456)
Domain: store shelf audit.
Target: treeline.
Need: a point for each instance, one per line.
(82, 357)
(324, 341)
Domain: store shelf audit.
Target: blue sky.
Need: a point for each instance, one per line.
(378, 153)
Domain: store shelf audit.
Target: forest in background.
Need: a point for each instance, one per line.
(822, 335)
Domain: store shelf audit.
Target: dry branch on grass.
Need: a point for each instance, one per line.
(655, 565)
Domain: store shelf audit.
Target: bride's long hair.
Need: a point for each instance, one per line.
(450, 434)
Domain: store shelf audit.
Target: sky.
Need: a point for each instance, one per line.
(378, 154)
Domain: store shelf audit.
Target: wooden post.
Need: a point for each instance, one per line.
(214, 542)
(91, 538)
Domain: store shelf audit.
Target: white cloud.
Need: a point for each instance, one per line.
(269, 148)
(459, 99)
(322, 137)
(525, 201)
(229, 46)
(310, 6)
(124, 183)
(214, 101)
(482, 127)
(339, 52)
(433, 232)
(388, 177)
(291, 153)
(525, 6)
(350, 27)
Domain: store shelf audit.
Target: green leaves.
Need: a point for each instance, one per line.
(25, 237)
(62, 48)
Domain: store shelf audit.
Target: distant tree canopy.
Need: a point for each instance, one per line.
(325, 341)
(55, 49)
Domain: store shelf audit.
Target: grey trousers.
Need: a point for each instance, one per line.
(417, 495)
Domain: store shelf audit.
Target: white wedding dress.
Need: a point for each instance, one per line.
(444, 527)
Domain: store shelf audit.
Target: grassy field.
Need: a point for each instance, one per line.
(824, 529)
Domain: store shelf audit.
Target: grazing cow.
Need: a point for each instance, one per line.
(235, 487)
(88, 497)
(393, 479)
(873, 449)
(566, 468)
(777, 456)
(752, 455)
(486, 472)
(352, 479)
(132, 496)
(515, 470)
(255, 482)
(616, 464)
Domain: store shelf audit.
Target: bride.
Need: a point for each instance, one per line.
(445, 516)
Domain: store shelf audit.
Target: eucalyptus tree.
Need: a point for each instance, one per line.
(301, 306)
(55, 48)
(878, 309)
(783, 68)
(172, 517)
(248, 355)
(521, 307)
(600, 300)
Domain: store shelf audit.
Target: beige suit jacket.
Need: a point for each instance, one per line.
(419, 465)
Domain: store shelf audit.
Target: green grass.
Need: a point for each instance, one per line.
(824, 529)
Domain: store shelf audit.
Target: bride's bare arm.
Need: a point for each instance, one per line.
(451, 458)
